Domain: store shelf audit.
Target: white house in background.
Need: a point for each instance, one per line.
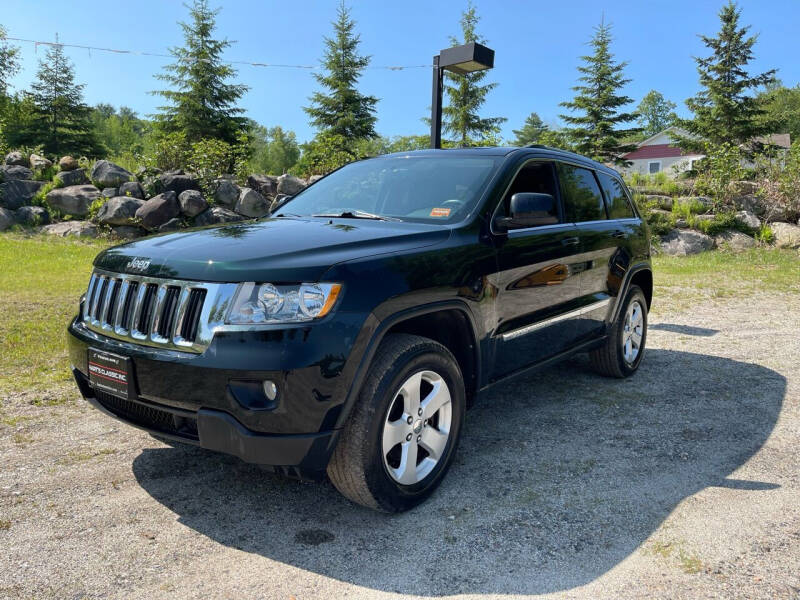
(657, 153)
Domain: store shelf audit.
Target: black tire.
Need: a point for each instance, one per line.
(609, 359)
(357, 466)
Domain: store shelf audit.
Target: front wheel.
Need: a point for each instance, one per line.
(403, 432)
(623, 350)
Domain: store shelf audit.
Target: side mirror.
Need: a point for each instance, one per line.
(530, 210)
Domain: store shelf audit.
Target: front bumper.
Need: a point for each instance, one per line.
(203, 399)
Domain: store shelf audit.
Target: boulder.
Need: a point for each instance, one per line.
(132, 189)
(17, 193)
(39, 163)
(16, 158)
(171, 225)
(74, 177)
(176, 182)
(735, 240)
(32, 215)
(226, 193)
(748, 219)
(120, 210)
(126, 232)
(67, 163)
(663, 202)
(217, 215)
(73, 200)
(6, 219)
(681, 223)
(279, 201)
(786, 235)
(681, 242)
(706, 202)
(109, 192)
(744, 188)
(158, 210)
(71, 228)
(266, 185)
(706, 217)
(251, 204)
(751, 203)
(107, 174)
(192, 203)
(290, 185)
(12, 172)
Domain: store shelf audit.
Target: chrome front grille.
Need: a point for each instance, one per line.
(165, 313)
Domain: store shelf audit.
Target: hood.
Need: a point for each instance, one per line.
(276, 250)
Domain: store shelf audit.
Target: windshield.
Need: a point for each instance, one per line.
(425, 189)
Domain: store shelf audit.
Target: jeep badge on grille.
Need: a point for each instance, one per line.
(138, 264)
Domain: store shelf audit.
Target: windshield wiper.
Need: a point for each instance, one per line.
(354, 214)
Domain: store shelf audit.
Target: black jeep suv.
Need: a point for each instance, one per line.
(350, 331)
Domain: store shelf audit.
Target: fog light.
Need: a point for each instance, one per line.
(270, 390)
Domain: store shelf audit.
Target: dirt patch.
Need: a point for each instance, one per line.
(683, 481)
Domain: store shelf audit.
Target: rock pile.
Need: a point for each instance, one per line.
(131, 205)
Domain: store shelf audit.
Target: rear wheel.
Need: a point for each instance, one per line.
(622, 352)
(403, 432)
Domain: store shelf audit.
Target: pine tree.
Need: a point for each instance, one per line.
(202, 102)
(723, 110)
(531, 131)
(655, 113)
(466, 95)
(61, 121)
(342, 113)
(594, 132)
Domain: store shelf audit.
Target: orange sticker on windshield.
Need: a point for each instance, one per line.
(440, 212)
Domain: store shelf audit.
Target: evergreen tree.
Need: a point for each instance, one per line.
(655, 113)
(598, 103)
(723, 110)
(61, 122)
(466, 95)
(341, 112)
(202, 102)
(531, 131)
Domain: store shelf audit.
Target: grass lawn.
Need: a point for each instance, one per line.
(41, 280)
(681, 281)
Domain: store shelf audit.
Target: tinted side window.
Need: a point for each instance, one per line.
(582, 198)
(535, 177)
(616, 199)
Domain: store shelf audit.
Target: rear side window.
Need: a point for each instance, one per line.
(617, 203)
(582, 198)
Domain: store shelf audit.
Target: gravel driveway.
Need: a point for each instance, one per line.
(683, 481)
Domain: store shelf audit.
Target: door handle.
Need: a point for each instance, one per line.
(618, 234)
(570, 241)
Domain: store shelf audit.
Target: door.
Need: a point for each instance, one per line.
(602, 244)
(537, 280)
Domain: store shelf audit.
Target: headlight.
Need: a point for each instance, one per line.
(268, 303)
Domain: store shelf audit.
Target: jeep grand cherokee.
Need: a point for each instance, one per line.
(350, 331)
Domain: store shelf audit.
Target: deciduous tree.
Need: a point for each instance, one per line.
(655, 113)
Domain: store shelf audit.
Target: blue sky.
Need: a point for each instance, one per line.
(537, 44)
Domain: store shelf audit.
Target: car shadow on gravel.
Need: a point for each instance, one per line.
(560, 476)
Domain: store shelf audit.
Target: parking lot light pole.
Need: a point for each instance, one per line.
(464, 59)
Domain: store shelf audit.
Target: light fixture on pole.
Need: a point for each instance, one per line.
(465, 59)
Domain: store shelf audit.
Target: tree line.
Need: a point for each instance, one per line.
(201, 116)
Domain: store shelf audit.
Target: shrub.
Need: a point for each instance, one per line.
(660, 223)
(167, 152)
(720, 168)
(46, 174)
(686, 209)
(95, 207)
(764, 234)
